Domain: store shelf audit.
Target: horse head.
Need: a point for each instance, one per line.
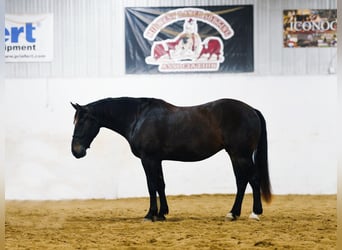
(86, 128)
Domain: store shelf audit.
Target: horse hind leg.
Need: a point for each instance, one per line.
(241, 167)
(246, 172)
(254, 181)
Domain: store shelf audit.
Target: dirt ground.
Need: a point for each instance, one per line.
(194, 222)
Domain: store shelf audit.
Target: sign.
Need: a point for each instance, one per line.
(29, 38)
(310, 28)
(191, 39)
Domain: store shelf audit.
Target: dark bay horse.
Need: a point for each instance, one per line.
(157, 131)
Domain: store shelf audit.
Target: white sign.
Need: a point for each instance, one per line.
(29, 38)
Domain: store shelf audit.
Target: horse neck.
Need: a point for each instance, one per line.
(117, 114)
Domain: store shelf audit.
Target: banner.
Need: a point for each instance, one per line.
(29, 38)
(192, 39)
(310, 28)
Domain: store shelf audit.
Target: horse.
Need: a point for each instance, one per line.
(157, 130)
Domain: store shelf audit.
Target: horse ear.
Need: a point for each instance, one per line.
(79, 107)
(73, 105)
(76, 106)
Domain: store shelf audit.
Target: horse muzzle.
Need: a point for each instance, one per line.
(78, 150)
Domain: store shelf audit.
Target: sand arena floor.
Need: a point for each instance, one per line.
(194, 222)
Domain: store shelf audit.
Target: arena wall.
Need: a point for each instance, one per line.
(292, 88)
(300, 112)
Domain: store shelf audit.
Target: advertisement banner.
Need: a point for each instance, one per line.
(192, 39)
(29, 38)
(310, 28)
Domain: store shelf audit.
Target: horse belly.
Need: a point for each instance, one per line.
(190, 134)
(191, 148)
(186, 155)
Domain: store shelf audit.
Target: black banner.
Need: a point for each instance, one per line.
(189, 39)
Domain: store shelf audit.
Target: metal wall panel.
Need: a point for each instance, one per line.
(89, 37)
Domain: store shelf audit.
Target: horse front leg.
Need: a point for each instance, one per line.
(152, 190)
(155, 183)
(164, 209)
(153, 210)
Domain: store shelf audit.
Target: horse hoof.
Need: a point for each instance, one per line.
(147, 220)
(231, 217)
(254, 216)
(150, 219)
(161, 218)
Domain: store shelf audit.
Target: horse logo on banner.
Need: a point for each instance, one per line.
(187, 51)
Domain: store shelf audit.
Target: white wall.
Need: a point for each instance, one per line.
(300, 112)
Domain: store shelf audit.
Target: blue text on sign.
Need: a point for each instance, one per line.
(14, 32)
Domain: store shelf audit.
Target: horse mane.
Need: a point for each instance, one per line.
(103, 107)
(156, 104)
(107, 109)
(126, 100)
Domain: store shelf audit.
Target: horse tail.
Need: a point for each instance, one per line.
(261, 161)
